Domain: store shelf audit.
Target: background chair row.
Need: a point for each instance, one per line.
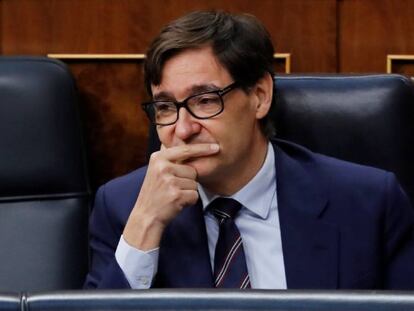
(44, 188)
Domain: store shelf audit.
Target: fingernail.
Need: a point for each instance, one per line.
(214, 147)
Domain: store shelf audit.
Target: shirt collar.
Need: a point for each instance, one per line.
(257, 194)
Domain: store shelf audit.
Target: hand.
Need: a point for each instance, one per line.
(168, 187)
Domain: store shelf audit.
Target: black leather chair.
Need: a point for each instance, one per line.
(44, 192)
(216, 299)
(367, 119)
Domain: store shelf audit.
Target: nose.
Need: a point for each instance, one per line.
(186, 125)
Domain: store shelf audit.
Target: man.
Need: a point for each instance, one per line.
(301, 220)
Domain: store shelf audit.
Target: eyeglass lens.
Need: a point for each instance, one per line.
(201, 106)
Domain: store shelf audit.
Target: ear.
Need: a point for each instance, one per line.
(264, 94)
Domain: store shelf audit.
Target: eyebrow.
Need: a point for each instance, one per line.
(193, 90)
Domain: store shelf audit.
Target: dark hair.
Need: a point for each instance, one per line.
(240, 42)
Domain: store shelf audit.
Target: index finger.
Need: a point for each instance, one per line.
(184, 152)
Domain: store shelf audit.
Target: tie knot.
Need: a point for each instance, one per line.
(225, 208)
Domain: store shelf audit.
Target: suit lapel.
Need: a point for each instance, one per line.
(310, 246)
(184, 257)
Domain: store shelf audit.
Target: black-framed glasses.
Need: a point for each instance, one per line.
(204, 105)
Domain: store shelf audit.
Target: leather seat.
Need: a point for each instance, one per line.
(44, 188)
(366, 119)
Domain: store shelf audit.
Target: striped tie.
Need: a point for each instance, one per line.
(230, 270)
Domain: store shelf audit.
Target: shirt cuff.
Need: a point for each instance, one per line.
(139, 267)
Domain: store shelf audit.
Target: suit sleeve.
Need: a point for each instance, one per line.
(399, 233)
(104, 272)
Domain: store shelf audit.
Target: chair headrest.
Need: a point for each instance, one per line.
(40, 137)
(367, 119)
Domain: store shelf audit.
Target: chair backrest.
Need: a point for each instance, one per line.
(367, 119)
(44, 188)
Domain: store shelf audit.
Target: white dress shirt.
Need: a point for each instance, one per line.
(257, 221)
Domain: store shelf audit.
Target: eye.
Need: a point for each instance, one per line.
(164, 106)
(207, 99)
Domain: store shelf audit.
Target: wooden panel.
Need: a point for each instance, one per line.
(401, 64)
(403, 67)
(115, 125)
(116, 129)
(282, 63)
(306, 29)
(369, 30)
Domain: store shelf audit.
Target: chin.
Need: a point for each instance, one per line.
(205, 167)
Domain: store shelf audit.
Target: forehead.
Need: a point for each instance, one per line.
(190, 68)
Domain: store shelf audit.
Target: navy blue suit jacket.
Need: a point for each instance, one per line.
(343, 225)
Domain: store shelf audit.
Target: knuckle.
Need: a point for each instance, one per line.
(163, 168)
(154, 156)
(193, 197)
(175, 183)
(193, 173)
(174, 194)
(186, 149)
(191, 185)
(169, 180)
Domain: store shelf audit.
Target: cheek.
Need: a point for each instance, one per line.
(165, 135)
(237, 136)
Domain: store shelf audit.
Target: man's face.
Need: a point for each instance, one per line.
(235, 130)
